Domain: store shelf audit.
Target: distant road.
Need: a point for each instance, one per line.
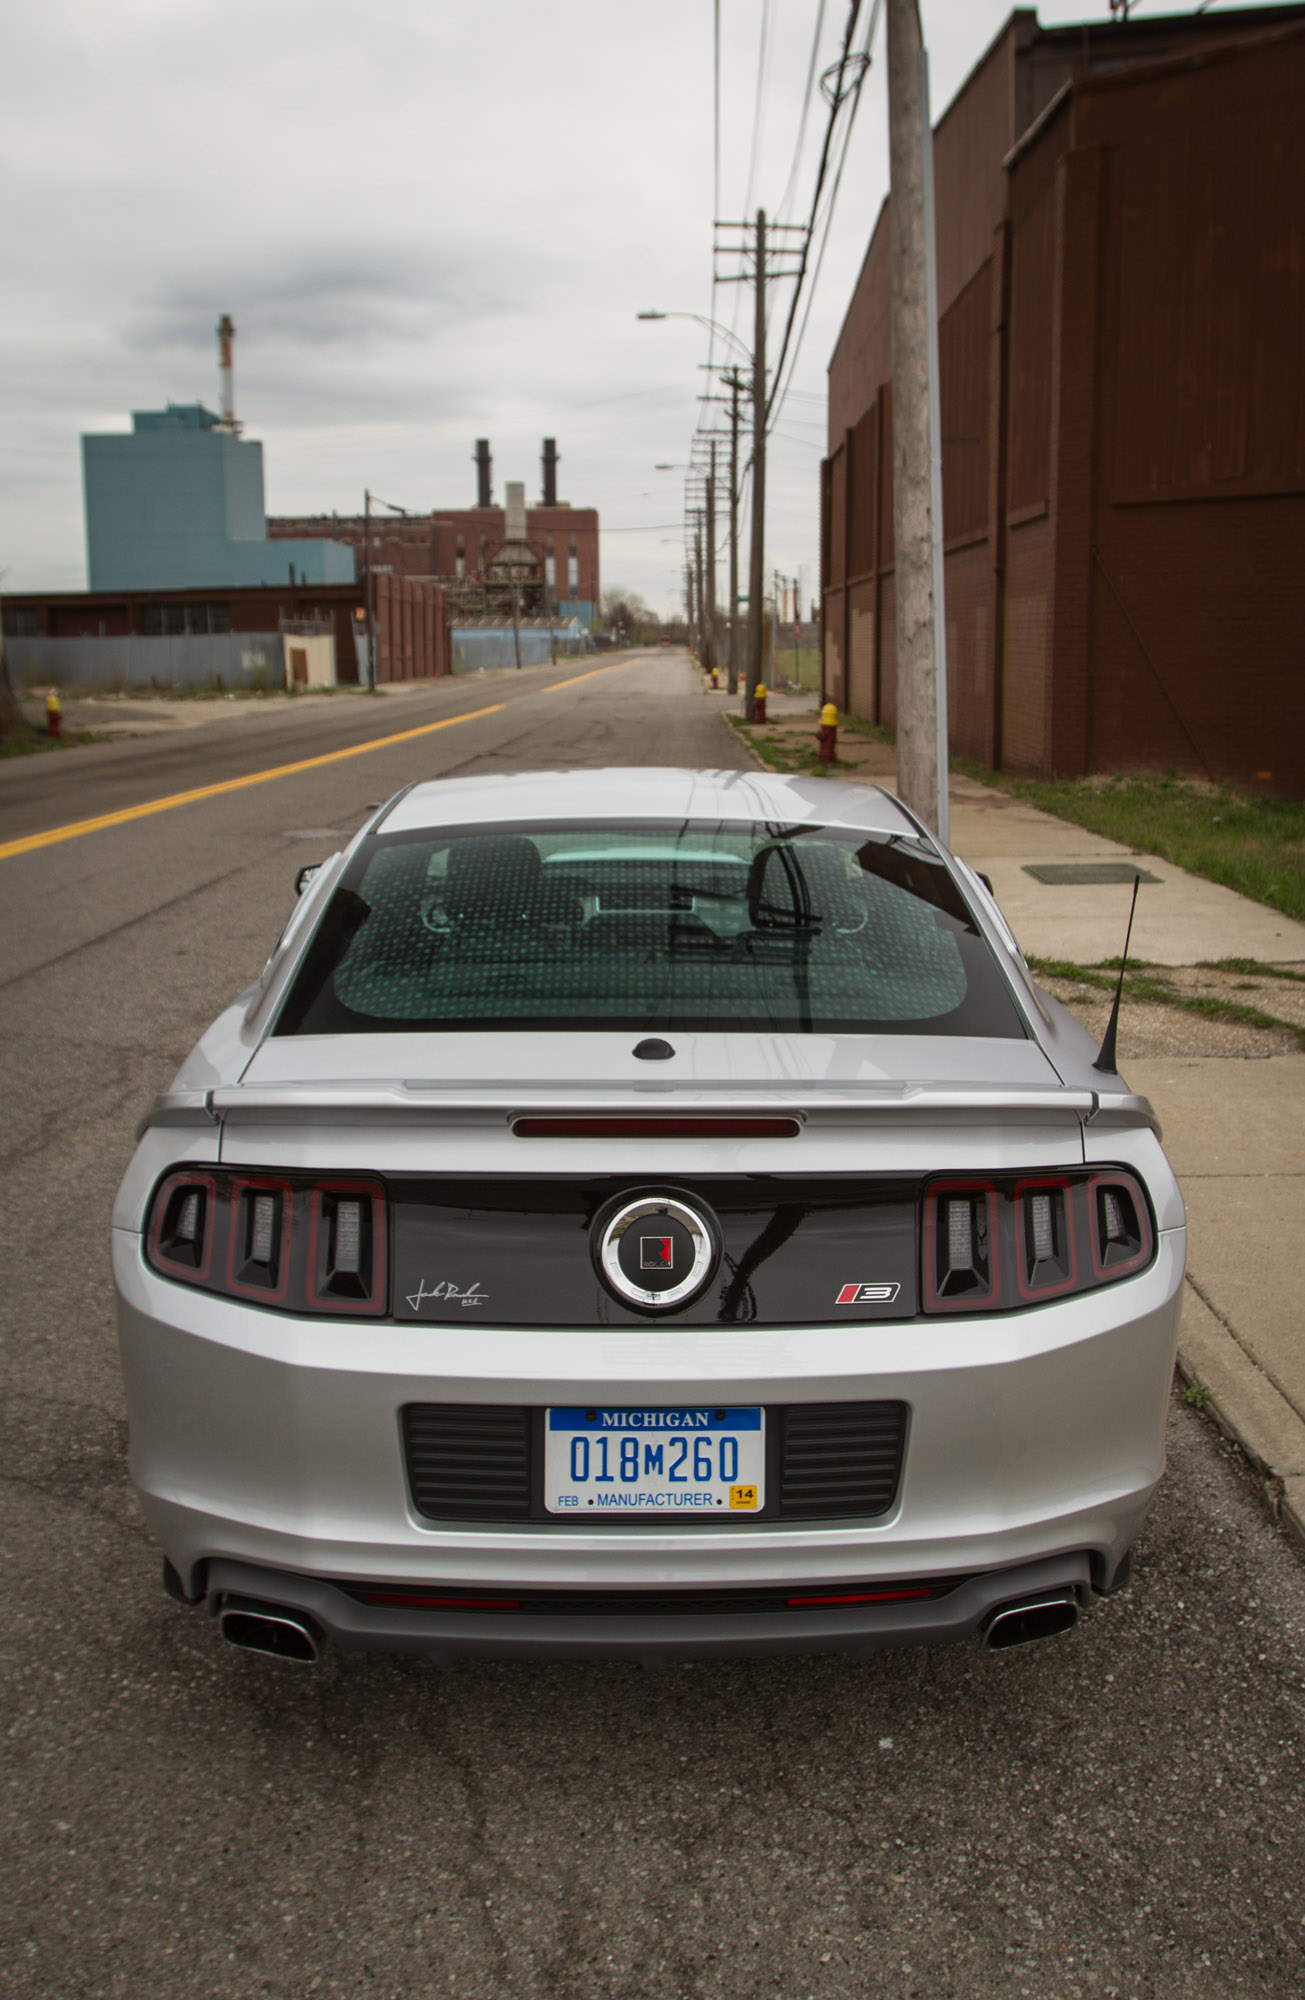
(44, 791)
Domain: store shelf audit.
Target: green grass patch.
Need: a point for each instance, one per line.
(1147, 983)
(781, 753)
(35, 742)
(1255, 966)
(1253, 845)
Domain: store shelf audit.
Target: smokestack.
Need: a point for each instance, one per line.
(515, 524)
(550, 472)
(484, 466)
(226, 334)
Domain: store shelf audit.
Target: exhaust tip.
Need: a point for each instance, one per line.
(277, 1633)
(1021, 1624)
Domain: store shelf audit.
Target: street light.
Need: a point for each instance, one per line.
(713, 326)
(731, 374)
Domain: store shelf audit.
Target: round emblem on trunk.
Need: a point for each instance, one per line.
(655, 1251)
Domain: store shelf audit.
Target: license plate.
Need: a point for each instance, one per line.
(676, 1461)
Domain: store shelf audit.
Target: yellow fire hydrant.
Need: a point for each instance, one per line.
(53, 715)
(759, 704)
(827, 734)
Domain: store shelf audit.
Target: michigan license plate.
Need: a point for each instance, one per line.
(676, 1461)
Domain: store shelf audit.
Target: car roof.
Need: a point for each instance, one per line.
(641, 792)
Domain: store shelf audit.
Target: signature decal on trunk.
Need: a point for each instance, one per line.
(867, 1295)
(447, 1290)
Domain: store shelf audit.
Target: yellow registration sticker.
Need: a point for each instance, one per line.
(743, 1496)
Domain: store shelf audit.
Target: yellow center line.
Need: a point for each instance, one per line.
(75, 828)
(587, 677)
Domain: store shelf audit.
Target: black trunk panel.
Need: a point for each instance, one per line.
(518, 1252)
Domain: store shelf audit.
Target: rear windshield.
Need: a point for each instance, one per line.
(817, 930)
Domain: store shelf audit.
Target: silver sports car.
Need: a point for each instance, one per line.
(644, 1213)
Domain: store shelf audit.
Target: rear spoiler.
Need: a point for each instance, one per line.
(497, 1105)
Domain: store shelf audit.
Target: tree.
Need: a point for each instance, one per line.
(12, 721)
(624, 614)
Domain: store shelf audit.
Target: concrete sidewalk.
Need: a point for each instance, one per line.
(1234, 1129)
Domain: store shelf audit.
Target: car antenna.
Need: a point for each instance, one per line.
(1107, 1059)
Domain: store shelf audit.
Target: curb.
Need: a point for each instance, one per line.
(1247, 1408)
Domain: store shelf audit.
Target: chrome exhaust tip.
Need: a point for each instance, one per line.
(1021, 1624)
(259, 1628)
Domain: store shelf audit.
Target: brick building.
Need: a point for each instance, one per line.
(1121, 287)
(455, 545)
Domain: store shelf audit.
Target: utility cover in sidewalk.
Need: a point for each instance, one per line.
(1083, 873)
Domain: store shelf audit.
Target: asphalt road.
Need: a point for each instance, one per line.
(1118, 1813)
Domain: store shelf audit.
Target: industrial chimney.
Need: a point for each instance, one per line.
(226, 334)
(550, 472)
(484, 466)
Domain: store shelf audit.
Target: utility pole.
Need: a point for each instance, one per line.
(733, 380)
(516, 622)
(757, 565)
(699, 593)
(917, 446)
(709, 661)
(368, 598)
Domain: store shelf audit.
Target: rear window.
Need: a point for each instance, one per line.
(817, 930)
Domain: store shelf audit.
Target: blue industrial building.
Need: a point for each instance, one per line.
(176, 503)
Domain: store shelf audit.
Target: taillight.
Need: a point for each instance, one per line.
(1121, 1227)
(298, 1243)
(258, 1240)
(346, 1248)
(181, 1226)
(1000, 1242)
(1046, 1233)
(962, 1250)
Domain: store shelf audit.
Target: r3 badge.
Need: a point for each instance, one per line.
(867, 1295)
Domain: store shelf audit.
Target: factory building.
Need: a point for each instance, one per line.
(275, 633)
(1121, 289)
(461, 548)
(176, 503)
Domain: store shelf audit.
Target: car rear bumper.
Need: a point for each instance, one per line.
(327, 1612)
(274, 1442)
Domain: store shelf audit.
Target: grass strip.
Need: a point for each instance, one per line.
(1252, 966)
(1148, 985)
(1255, 845)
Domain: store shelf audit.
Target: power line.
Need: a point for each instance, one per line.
(759, 106)
(842, 89)
(782, 389)
(807, 94)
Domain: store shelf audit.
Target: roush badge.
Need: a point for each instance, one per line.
(867, 1295)
(655, 1251)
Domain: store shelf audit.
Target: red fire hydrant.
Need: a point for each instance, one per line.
(715, 677)
(827, 734)
(759, 704)
(53, 716)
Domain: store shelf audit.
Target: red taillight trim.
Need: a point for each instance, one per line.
(265, 1295)
(193, 1274)
(656, 1128)
(410, 1601)
(376, 1303)
(1039, 1185)
(969, 1301)
(865, 1597)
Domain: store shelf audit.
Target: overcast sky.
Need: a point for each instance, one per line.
(432, 220)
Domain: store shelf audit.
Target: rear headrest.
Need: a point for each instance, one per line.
(496, 875)
(792, 884)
